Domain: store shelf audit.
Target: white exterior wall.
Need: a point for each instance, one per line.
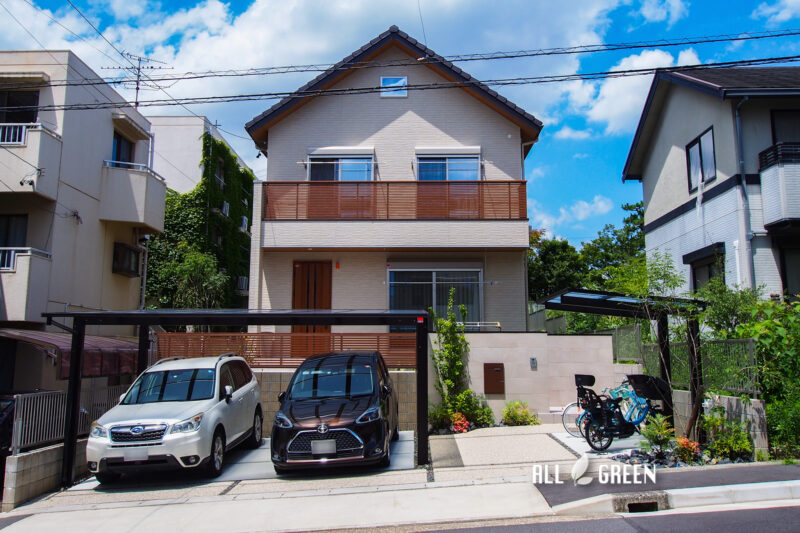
(81, 246)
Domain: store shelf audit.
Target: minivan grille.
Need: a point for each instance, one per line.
(346, 440)
(137, 433)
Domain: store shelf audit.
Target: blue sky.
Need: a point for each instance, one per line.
(574, 172)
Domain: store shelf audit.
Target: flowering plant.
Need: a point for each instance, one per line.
(687, 450)
(460, 423)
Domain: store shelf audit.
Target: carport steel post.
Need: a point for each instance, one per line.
(233, 317)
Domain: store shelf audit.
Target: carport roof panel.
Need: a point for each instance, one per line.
(279, 317)
(615, 304)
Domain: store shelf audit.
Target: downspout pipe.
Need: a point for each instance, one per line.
(745, 231)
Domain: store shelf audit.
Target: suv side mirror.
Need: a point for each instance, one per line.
(386, 390)
(281, 396)
(228, 393)
(121, 397)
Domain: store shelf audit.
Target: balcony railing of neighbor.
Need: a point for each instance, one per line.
(8, 256)
(395, 200)
(14, 133)
(288, 350)
(782, 152)
(132, 166)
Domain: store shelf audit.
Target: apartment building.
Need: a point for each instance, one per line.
(77, 199)
(386, 197)
(717, 153)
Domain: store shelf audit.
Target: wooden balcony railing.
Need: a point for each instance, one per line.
(288, 350)
(395, 200)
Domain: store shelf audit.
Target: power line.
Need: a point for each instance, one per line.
(322, 67)
(532, 80)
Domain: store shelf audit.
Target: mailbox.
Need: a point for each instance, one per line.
(494, 378)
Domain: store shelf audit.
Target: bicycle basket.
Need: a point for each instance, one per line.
(649, 387)
(584, 380)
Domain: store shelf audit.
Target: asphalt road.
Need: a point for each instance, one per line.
(774, 520)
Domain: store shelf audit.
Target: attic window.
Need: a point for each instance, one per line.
(394, 86)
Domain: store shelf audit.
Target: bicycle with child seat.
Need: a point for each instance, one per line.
(603, 419)
(573, 415)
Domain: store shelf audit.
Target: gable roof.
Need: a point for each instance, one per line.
(259, 126)
(720, 82)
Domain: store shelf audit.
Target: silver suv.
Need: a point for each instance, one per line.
(180, 413)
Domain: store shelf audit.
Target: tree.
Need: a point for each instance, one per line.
(614, 247)
(553, 264)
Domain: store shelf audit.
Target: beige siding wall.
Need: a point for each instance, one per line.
(685, 115)
(395, 126)
(360, 281)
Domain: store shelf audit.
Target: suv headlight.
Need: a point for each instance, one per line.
(282, 421)
(97, 431)
(188, 425)
(370, 415)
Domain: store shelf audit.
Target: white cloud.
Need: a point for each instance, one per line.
(619, 101)
(567, 215)
(568, 133)
(580, 156)
(661, 10)
(780, 11)
(536, 173)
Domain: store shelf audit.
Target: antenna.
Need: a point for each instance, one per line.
(137, 70)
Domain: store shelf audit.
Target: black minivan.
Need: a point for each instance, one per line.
(339, 408)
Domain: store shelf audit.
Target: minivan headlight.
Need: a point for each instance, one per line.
(282, 421)
(188, 425)
(370, 415)
(97, 431)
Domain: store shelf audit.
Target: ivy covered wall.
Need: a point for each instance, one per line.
(199, 258)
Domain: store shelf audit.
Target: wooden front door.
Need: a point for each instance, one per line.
(311, 289)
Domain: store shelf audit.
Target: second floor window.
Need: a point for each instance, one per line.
(13, 231)
(340, 169)
(700, 160)
(785, 125)
(448, 168)
(20, 107)
(122, 151)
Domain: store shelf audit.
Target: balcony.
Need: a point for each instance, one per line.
(395, 215)
(395, 200)
(24, 283)
(31, 158)
(133, 193)
(779, 166)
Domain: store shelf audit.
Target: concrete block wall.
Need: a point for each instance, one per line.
(275, 381)
(753, 415)
(37, 472)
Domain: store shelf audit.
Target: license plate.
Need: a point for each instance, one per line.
(323, 446)
(134, 454)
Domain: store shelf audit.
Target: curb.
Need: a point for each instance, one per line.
(660, 500)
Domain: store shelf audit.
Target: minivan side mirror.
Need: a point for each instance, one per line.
(121, 397)
(281, 396)
(228, 393)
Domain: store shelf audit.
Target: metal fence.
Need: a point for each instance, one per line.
(39, 416)
(727, 364)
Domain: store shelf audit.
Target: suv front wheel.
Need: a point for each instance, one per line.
(217, 456)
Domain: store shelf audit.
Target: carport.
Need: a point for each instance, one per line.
(655, 308)
(143, 319)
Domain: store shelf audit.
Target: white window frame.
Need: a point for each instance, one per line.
(310, 162)
(433, 270)
(390, 91)
(447, 158)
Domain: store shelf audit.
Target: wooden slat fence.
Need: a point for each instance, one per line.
(395, 200)
(288, 350)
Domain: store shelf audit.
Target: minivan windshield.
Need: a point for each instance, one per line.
(172, 386)
(338, 377)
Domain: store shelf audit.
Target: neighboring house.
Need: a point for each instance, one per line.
(77, 197)
(717, 151)
(388, 199)
(217, 186)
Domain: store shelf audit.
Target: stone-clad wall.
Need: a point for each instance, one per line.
(274, 381)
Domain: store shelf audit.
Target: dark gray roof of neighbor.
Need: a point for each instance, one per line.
(394, 34)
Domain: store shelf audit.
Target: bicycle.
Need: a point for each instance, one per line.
(572, 416)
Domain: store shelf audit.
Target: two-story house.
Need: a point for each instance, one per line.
(381, 195)
(190, 151)
(717, 152)
(77, 198)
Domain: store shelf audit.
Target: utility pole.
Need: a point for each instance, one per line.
(137, 71)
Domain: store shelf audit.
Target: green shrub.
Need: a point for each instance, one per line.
(783, 421)
(516, 413)
(727, 439)
(657, 434)
(473, 407)
(762, 456)
(439, 416)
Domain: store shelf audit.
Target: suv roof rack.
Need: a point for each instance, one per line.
(168, 359)
(227, 354)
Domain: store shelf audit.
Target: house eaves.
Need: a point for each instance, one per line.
(530, 126)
